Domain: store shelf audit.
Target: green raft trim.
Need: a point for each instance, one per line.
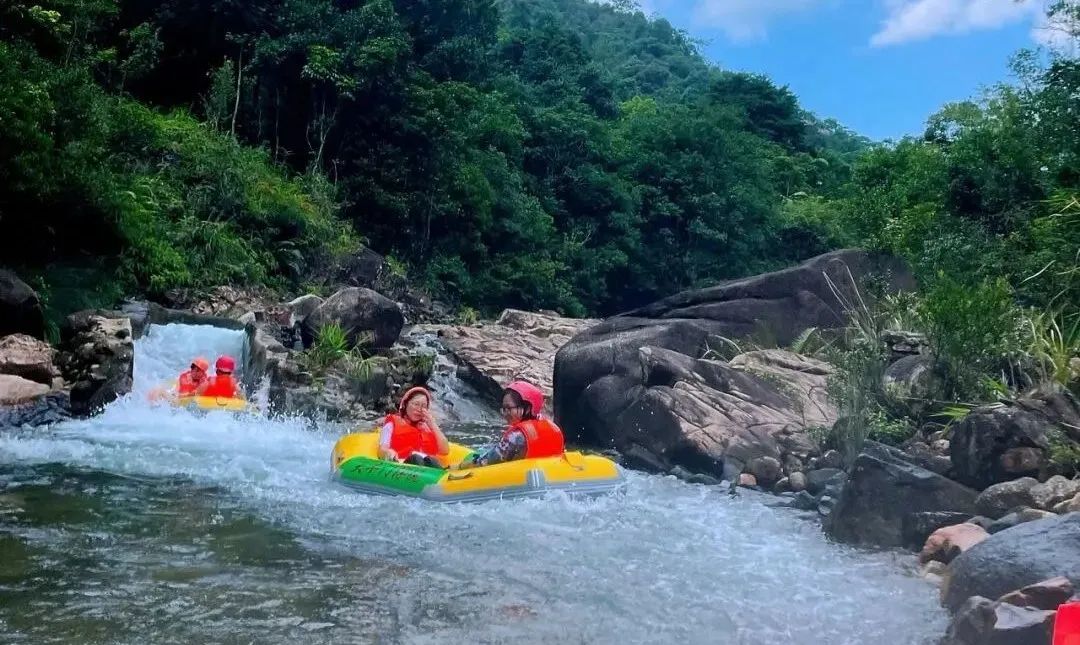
(390, 474)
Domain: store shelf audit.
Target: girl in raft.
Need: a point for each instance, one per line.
(411, 435)
(188, 383)
(190, 380)
(529, 435)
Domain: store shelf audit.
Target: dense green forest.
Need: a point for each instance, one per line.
(534, 153)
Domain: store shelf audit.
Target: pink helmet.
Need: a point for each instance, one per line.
(225, 364)
(530, 394)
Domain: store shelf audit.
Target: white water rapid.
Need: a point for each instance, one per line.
(158, 525)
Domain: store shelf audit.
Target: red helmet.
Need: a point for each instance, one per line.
(201, 364)
(530, 394)
(225, 364)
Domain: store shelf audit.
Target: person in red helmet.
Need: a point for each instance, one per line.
(412, 435)
(529, 435)
(190, 380)
(222, 384)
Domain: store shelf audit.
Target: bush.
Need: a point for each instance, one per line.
(974, 332)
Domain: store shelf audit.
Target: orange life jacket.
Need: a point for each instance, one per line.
(542, 438)
(187, 384)
(405, 439)
(223, 386)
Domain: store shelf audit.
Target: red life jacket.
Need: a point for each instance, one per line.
(187, 384)
(405, 439)
(542, 438)
(222, 386)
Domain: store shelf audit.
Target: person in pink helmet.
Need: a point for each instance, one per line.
(528, 436)
(222, 384)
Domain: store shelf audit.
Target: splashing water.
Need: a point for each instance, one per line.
(455, 399)
(162, 525)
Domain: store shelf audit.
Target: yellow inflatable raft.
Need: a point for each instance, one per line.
(355, 463)
(229, 404)
(213, 403)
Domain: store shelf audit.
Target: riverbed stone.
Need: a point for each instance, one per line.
(1053, 491)
(1018, 517)
(999, 499)
(28, 357)
(948, 542)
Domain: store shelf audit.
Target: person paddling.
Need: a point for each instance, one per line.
(529, 435)
(412, 435)
(222, 384)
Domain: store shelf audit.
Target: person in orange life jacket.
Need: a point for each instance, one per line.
(412, 435)
(190, 380)
(222, 384)
(529, 435)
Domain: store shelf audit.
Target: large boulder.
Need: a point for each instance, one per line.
(705, 415)
(28, 357)
(615, 383)
(884, 488)
(519, 344)
(20, 307)
(1014, 558)
(997, 500)
(97, 358)
(999, 443)
(357, 310)
(992, 445)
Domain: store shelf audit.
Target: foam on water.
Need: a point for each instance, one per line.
(663, 561)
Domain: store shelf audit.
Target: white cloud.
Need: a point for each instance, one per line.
(911, 20)
(744, 20)
(739, 20)
(1055, 34)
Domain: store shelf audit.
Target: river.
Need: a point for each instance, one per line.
(156, 525)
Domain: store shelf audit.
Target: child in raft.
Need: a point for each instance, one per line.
(190, 380)
(529, 435)
(187, 384)
(411, 435)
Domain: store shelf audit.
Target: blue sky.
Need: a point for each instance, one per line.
(880, 67)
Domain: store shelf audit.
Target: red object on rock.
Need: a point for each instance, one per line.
(1067, 624)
